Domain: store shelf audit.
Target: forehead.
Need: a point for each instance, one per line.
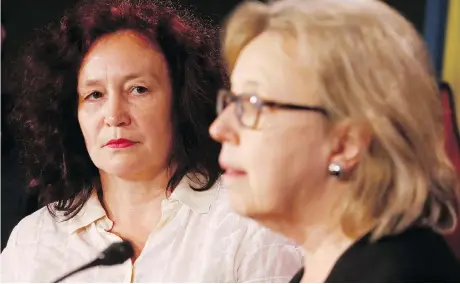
(121, 52)
(270, 65)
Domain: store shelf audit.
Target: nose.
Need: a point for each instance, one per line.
(224, 129)
(116, 112)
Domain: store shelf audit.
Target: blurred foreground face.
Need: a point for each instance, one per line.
(124, 106)
(368, 69)
(284, 157)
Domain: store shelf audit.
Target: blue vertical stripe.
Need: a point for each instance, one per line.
(435, 29)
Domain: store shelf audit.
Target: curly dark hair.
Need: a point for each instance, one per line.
(45, 112)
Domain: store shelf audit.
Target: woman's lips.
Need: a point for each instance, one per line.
(120, 143)
(234, 173)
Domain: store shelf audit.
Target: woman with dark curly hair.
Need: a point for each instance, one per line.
(114, 104)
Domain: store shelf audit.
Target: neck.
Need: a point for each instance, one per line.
(123, 197)
(133, 202)
(134, 207)
(323, 246)
(321, 237)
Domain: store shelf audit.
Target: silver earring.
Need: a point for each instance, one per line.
(335, 169)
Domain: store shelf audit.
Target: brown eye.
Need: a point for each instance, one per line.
(94, 96)
(139, 90)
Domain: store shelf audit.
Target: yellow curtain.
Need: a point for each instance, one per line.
(451, 62)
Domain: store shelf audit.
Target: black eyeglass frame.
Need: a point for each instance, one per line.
(258, 103)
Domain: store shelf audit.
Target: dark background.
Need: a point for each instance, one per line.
(20, 18)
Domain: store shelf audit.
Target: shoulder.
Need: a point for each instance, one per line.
(419, 255)
(35, 227)
(415, 255)
(33, 234)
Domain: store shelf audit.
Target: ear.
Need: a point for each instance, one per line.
(349, 141)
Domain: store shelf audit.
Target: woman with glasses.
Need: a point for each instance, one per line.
(114, 105)
(332, 135)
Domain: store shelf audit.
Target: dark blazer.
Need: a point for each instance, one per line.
(417, 255)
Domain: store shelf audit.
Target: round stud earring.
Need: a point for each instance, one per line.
(335, 169)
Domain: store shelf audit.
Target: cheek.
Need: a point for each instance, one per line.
(156, 127)
(83, 122)
(284, 161)
(89, 128)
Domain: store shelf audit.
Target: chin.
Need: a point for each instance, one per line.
(127, 174)
(122, 169)
(239, 203)
(269, 212)
(244, 206)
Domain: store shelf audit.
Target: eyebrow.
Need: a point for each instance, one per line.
(96, 82)
(251, 83)
(249, 86)
(90, 83)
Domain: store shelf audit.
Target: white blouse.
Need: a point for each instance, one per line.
(198, 239)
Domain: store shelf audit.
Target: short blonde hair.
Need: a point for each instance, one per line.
(374, 69)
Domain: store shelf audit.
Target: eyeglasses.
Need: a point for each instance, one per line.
(249, 107)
